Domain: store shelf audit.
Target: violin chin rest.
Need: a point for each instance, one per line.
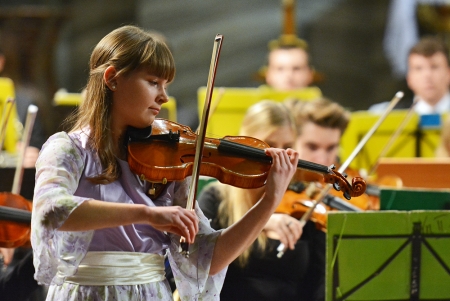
(134, 134)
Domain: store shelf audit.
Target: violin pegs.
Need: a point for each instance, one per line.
(336, 186)
(347, 195)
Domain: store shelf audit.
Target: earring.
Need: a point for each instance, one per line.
(113, 87)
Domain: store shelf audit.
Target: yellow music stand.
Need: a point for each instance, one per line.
(414, 141)
(234, 102)
(14, 126)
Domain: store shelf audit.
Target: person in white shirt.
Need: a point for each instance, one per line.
(428, 78)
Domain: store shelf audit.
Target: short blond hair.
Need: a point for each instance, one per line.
(268, 115)
(322, 112)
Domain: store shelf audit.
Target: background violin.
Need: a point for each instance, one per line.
(15, 220)
(297, 204)
(298, 200)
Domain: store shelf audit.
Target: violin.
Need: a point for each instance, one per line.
(364, 201)
(361, 201)
(15, 220)
(239, 161)
(297, 204)
(298, 200)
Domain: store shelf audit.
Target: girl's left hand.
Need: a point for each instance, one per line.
(284, 165)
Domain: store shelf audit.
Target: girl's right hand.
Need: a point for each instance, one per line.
(174, 219)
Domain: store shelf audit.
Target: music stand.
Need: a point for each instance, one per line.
(419, 138)
(234, 102)
(390, 255)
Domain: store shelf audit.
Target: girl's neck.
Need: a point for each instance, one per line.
(118, 137)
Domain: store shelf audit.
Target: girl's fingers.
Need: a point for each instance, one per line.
(189, 225)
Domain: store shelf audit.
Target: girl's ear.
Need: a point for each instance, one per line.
(110, 78)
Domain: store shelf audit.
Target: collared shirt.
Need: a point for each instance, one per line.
(423, 108)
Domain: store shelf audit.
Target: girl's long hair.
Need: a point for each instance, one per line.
(126, 48)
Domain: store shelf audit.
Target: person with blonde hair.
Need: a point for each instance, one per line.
(97, 231)
(258, 274)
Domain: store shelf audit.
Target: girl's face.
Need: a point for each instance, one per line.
(137, 98)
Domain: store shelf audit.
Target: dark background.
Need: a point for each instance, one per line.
(48, 44)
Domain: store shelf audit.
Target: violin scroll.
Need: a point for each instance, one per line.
(340, 183)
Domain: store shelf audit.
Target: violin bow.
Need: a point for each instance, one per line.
(394, 137)
(29, 124)
(184, 246)
(323, 193)
(214, 105)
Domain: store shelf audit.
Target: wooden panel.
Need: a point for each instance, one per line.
(417, 172)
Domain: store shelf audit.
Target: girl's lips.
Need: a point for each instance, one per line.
(156, 110)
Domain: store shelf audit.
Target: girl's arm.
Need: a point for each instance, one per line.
(59, 169)
(238, 237)
(94, 214)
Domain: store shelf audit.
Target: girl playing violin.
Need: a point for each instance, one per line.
(257, 274)
(96, 233)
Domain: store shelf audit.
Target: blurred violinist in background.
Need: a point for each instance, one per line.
(320, 126)
(17, 271)
(257, 274)
(428, 77)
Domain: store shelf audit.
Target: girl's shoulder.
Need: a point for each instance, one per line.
(74, 143)
(78, 139)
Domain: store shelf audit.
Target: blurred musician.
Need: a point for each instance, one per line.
(288, 68)
(428, 77)
(16, 265)
(288, 62)
(258, 274)
(320, 125)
